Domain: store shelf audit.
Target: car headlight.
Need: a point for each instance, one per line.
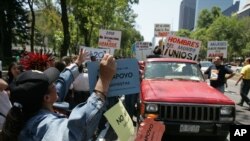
(152, 108)
(226, 110)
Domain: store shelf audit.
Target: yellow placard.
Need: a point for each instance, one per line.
(120, 120)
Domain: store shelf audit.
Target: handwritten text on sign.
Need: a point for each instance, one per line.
(97, 52)
(161, 30)
(120, 120)
(178, 47)
(216, 48)
(109, 39)
(126, 80)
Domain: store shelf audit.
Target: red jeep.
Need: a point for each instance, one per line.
(175, 92)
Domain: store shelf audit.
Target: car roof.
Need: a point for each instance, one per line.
(170, 60)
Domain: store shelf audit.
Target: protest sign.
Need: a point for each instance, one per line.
(216, 48)
(125, 81)
(161, 30)
(150, 130)
(97, 52)
(109, 39)
(140, 45)
(178, 47)
(120, 121)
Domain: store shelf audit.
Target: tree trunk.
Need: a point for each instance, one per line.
(33, 20)
(65, 23)
(5, 33)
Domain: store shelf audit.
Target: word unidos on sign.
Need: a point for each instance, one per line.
(179, 54)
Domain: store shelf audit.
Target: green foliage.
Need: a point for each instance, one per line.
(207, 17)
(183, 33)
(14, 25)
(228, 29)
(200, 34)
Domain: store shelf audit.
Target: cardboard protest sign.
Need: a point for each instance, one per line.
(125, 81)
(97, 52)
(140, 45)
(120, 120)
(109, 39)
(178, 47)
(216, 48)
(161, 30)
(150, 130)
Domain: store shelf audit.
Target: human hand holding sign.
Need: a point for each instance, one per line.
(107, 71)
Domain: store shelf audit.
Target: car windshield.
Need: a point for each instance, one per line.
(173, 70)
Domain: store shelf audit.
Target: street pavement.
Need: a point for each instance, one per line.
(242, 113)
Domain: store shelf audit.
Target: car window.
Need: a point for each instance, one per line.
(173, 70)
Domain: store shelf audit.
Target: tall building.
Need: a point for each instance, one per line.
(208, 4)
(187, 14)
(245, 11)
(232, 9)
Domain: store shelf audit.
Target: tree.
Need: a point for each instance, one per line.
(228, 29)
(92, 15)
(183, 33)
(48, 25)
(65, 23)
(206, 17)
(33, 20)
(13, 26)
(201, 35)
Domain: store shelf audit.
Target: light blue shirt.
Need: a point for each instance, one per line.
(79, 126)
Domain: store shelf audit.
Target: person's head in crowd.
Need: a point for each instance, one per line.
(92, 58)
(247, 61)
(218, 60)
(60, 65)
(33, 91)
(13, 71)
(66, 60)
(51, 61)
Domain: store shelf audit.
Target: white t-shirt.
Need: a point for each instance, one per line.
(81, 83)
(5, 106)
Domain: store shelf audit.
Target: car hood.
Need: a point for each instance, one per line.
(181, 91)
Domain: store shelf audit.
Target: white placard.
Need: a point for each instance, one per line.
(178, 47)
(140, 45)
(97, 52)
(161, 30)
(109, 39)
(216, 48)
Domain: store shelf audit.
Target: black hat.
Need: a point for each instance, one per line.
(31, 86)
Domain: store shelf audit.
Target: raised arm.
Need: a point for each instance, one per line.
(68, 75)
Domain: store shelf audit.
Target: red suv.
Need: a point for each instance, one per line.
(174, 91)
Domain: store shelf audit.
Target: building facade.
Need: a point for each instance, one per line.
(232, 9)
(245, 11)
(187, 14)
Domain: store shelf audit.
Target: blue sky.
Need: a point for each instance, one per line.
(157, 11)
